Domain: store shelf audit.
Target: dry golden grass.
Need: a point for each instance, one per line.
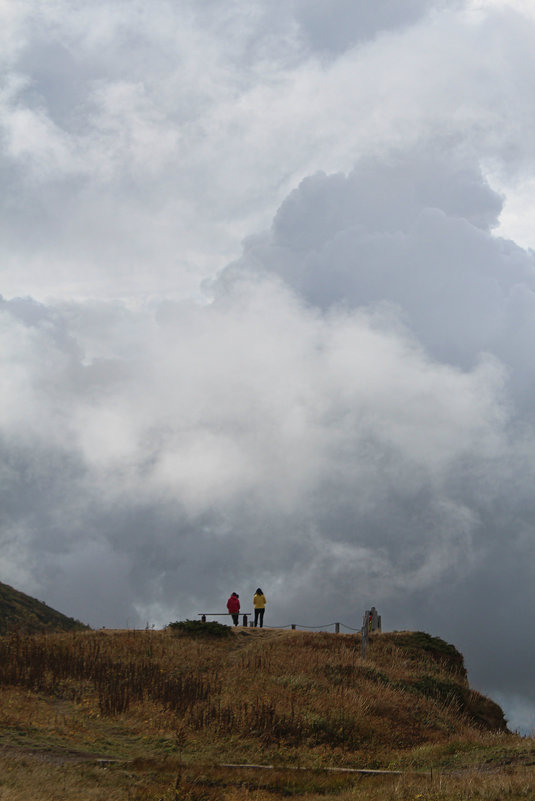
(149, 715)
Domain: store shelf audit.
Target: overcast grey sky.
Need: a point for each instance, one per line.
(267, 315)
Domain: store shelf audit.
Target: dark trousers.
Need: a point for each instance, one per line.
(235, 618)
(259, 616)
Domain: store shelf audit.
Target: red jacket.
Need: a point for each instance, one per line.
(233, 605)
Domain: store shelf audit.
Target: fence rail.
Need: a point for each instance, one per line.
(294, 626)
(337, 627)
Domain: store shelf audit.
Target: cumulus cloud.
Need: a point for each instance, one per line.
(340, 408)
(415, 232)
(268, 423)
(111, 161)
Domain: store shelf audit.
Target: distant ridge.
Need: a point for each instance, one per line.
(20, 612)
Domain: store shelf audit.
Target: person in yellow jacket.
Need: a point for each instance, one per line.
(259, 602)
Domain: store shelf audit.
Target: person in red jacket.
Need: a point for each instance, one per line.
(233, 606)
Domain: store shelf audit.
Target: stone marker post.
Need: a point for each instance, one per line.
(371, 621)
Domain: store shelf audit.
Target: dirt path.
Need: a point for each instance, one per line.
(57, 756)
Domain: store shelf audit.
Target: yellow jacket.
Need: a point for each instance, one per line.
(259, 601)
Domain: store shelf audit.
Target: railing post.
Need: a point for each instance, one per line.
(337, 628)
(245, 621)
(293, 626)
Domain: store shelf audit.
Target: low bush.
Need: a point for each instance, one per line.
(200, 629)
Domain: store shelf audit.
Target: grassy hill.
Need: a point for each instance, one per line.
(20, 612)
(176, 714)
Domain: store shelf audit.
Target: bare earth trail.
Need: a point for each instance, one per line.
(56, 756)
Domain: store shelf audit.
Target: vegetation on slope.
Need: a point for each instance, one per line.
(20, 612)
(170, 709)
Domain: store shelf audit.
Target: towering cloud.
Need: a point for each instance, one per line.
(261, 324)
(345, 421)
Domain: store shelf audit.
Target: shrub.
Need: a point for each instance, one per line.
(200, 629)
(431, 687)
(415, 642)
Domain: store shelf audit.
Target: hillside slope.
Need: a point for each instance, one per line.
(167, 711)
(22, 613)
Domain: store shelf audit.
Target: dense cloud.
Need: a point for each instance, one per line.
(331, 439)
(337, 408)
(136, 135)
(415, 232)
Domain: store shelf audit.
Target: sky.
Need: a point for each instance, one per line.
(267, 315)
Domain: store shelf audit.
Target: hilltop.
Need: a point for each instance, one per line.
(176, 714)
(20, 612)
